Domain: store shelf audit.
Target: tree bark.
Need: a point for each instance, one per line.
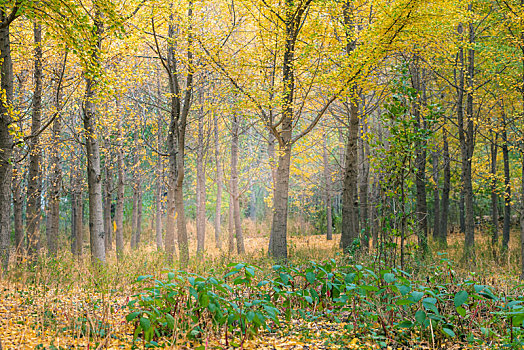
(201, 183)
(55, 181)
(94, 176)
(327, 198)
(446, 187)
(507, 189)
(494, 198)
(120, 189)
(364, 185)
(6, 139)
(234, 184)
(436, 198)
(350, 222)
(76, 211)
(136, 194)
(231, 226)
(219, 181)
(34, 180)
(108, 201)
(158, 192)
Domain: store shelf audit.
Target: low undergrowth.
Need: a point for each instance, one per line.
(389, 307)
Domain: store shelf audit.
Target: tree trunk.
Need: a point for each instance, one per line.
(201, 184)
(158, 192)
(231, 226)
(18, 208)
(6, 141)
(120, 191)
(108, 201)
(469, 148)
(364, 186)
(139, 214)
(94, 176)
(76, 211)
(436, 198)
(446, 187)
(507, 190)
(55, 181)
(350, 222)
(494, 198)
(34, 180)
(234, 185)
(417, 78)
(327, 179)
(218, 207)
(134, 213)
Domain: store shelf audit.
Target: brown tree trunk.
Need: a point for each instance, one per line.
(364, 186)
(55, 181)
(6, 139)
(446, 187)
(231, 225)
(134, 213)
(234, 185)
(18, 210)
(108, 201)
(201, 183)
(350, 222)
(158, 192)
(120, 189)
(76, 211)
(494, 198)
(94, 175)
(218, 207)
(139, 214)
(469, 147)
(507, 190)
(34, 180)
(327, 180)
(436, 198)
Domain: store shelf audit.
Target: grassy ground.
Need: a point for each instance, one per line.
(64, 303)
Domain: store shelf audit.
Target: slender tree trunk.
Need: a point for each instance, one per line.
(120, 189)
(494, 198)
(34, 180)
(139, 214)
(76, 211)
(158, 192)
(108, 200)
(507, 191)
(436, 198)
(364, 186)
(53, 218)
(18, 210)
(469, 148)
(231, 225)
(234, 185)
(218, 207)
(350, 222)
(94, 176)
(522, 160)
(201, 184)
(417, 78)
(327, 179)
(446, 188)
(134, 213)
(6, 141)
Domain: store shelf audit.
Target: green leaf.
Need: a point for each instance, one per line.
(132, 316)
(389, 277)
(449, 332)
(416, 296)
(430, 304)
(460, 298)
(170, 321)
(310, 277)
(420, 317)
(145, 323)
(461, 311)
(405, 324)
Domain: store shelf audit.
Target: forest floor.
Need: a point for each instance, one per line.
(63, 304)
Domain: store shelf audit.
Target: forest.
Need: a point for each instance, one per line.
(261, 174)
